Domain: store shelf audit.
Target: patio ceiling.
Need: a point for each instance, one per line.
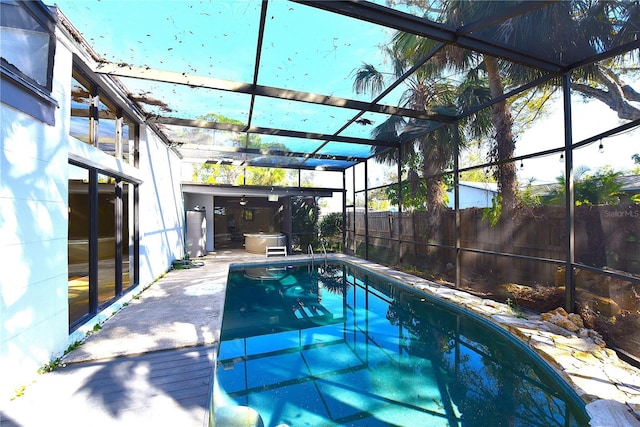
(270, 83)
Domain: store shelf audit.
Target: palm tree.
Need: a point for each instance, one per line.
(502, 121)
(569, 30)
(432, 151)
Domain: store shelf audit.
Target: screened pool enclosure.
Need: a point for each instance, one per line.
(399, 108)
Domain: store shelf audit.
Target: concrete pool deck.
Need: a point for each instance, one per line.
(153, 360)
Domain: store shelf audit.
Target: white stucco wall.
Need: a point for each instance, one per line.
(161, 207)
(34, 326)
(33, 237)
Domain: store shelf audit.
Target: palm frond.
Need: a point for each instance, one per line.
(368, 79)
(387, 131)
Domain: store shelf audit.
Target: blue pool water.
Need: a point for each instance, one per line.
(334, 345)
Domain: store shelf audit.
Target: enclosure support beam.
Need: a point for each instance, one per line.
(344, 211)
(456, 201)
(366, 210)
(400, 204)
(354, 243)
(569, 278)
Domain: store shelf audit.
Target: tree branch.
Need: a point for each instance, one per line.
(615, 97)
(630, 93)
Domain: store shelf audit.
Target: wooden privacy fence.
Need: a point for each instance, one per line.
(605, 236)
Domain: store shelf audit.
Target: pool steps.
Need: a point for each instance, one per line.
(275, 250)
(303, 311)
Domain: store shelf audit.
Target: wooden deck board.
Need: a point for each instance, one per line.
(132, 390)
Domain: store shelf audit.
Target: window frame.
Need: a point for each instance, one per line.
(22, 91)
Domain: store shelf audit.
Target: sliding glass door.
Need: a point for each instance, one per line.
(99, 253)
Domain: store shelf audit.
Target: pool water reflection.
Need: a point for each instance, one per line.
(333, 345)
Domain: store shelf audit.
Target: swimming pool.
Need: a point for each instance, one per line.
(335, 345)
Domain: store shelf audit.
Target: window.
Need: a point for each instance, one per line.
(129, 128)
(21, 33)
(109, 128)
(97, 121)
(27, 46)
(80, 108)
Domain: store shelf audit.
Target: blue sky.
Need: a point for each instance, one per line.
(304, 49)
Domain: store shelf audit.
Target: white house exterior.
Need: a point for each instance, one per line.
(35, 151)
(474, 194)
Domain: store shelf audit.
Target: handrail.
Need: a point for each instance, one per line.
(324, 250)
(310, 252)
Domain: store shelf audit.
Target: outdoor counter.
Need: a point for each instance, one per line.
(258, 242)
